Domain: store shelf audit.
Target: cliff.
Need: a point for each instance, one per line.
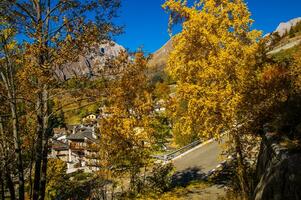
(91, 64)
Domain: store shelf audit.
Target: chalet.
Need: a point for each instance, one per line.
(83, 150)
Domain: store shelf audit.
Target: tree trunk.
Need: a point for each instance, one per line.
(46, 132)
(39, 146)
(10, 185)
(32, 155)
(3, 152)
(44, 171)
(2, 195)
(42, 112)
(241, 168)
(11, 93)
(18, 150)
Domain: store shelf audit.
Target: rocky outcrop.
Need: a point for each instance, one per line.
(91, 64)
(286, 26)
(278, 170)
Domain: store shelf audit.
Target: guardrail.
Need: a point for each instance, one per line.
(170, 156)
(177, 152)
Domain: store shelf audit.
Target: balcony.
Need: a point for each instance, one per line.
(77, 146)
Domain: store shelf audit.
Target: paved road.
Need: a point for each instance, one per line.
(194, 164)
(204, 158)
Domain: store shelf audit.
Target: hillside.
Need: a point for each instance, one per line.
(286, 36)
(159, 58)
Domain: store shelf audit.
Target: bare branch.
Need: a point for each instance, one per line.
(26, 11)
(61, 3)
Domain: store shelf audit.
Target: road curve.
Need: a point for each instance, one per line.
(205, 158)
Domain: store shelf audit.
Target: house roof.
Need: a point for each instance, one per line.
(82, 134)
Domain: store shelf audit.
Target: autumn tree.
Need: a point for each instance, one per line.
(214, 62)
(127, 134)
(226, 82)
(57, 32)
(10, 56)
(280, 82)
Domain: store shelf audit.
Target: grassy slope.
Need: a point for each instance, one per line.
(77, 106)
(287, 54)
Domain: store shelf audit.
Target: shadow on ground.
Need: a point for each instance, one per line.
(183, 178)
(221, 178)
(199, 185)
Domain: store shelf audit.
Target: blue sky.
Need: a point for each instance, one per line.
(146, 22)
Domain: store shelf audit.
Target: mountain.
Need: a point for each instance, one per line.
(160, 57)
(92, 63)
(285, 27)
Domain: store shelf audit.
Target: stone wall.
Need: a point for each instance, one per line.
(278, 170)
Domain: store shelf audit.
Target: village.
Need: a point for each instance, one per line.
(78, 144)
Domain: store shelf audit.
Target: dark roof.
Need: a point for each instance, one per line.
(82, 134)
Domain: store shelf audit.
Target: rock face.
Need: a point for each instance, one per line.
(91, 64)
(286, 26)
(278, 171)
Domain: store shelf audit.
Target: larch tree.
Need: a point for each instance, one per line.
(214, 62)
(56, 33)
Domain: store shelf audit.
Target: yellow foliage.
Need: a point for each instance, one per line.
(126, 129)
(214, 63)
(56, 172)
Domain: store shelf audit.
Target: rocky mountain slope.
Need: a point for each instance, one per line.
(278, 169)
(286, 36)
(91, 64)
